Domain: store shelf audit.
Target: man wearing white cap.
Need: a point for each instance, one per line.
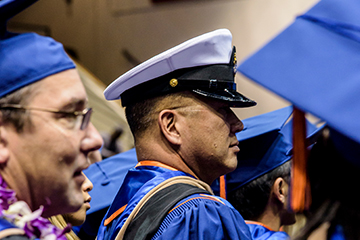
(178, 108)
(45, 133)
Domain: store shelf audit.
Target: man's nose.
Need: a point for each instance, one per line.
(93, 140)
(236, 124)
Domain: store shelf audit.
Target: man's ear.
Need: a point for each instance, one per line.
(168, 122)
(4, 150)
(280, 189)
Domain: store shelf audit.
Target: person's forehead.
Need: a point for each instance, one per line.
(64, 88)
(211, 107)
(211, 102)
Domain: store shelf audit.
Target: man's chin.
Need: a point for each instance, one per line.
(231, 166)
(74, 203)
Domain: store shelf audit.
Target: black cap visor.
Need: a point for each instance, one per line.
(233, 98)
(214, 81)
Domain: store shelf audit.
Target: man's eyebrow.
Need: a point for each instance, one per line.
(75, 103)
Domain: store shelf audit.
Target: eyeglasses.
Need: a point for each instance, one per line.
(84, 114)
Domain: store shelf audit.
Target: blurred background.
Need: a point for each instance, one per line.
(106, 38)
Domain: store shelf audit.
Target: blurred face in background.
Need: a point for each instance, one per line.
(77, 218)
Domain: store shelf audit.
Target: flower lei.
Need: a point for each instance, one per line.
(19, 214)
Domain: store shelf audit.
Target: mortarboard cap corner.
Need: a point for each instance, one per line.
(9, 8)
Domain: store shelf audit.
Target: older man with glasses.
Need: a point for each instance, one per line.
(45, 132)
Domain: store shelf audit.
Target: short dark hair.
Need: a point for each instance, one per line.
(140, 115)
(251, 199)
(19, 117)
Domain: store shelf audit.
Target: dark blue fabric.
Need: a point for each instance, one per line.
(259, 232)
(27, 58)
(202, 218)
(5, 224)
(9, 8)
(338, 233)
(347, 30)
(186, 224)
(314, 64)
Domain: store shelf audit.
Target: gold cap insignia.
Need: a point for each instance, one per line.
(173, 82)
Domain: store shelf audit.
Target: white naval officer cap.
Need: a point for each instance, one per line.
(205, 65)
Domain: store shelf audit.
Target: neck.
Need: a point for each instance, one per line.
(270, 219)
(16, 181)
(167, 157)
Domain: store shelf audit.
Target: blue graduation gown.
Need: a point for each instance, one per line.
(198, 216)
(261, 232)
(5, 225)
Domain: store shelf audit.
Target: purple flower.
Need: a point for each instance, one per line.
(43, 229)
(7, 196)
(19, 213)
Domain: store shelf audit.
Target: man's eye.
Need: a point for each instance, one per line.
(69, 120)
(69, 116)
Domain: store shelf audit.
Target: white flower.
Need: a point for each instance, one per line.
(19, 213)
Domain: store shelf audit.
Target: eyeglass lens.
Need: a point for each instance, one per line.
(86, 119)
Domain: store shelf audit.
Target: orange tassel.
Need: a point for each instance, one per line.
(222, 187)
(300, 190)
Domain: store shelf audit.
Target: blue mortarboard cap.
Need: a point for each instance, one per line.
(107, 177)
(262, 147)
(314, 64)
(204, 65)
(9, 8)
(265, 144)
(28, 57)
